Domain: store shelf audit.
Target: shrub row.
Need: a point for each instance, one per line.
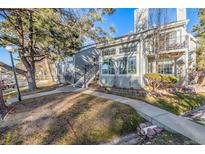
(156, 80)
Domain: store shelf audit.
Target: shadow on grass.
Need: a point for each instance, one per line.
(96, 126)
(60, 126)
(84, 119)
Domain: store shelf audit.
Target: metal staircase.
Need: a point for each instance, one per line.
(87, 78)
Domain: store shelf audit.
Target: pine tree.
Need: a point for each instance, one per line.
(200, 30)
(49, 33)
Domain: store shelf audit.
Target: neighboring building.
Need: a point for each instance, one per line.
(6, 75)
(124, 61)
(45, 70)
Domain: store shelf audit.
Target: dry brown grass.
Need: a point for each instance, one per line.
(41, 87)
(67, 119)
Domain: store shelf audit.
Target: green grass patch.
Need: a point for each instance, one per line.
(176, 103)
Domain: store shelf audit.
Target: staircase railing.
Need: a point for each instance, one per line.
(87, 78)
(90, 75)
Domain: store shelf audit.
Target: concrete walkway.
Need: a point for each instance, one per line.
(160, 117)
(151, 113)
(58, 90)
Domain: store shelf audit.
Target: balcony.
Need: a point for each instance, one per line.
(166, 45)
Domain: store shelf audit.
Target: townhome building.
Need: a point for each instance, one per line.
(168, 49)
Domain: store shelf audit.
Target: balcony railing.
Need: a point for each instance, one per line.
(167, 44)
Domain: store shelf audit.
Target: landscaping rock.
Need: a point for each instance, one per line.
(142, 132)
(138, 130)
(158, 130)
(197, 114)
(146, 128)
(150, 133)
(148, 124)
(145, 131)
(203, 116)
(142, 125)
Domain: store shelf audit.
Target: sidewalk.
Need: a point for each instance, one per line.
(58, 90)
(160, 117)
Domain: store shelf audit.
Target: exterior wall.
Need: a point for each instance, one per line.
(126, 81)
(123, 80)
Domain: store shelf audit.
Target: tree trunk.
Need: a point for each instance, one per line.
(2, 103)
(31, 78)
(48, 67)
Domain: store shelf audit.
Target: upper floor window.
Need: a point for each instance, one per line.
(171, 40)
(107, 52)
(128, 49)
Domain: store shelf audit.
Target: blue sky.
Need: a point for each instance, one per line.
(123, 21)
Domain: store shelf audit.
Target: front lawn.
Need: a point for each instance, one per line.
(68, 119)
(74, 119)
(176, 103)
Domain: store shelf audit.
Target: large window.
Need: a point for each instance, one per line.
(108, 67)
(165, 67)
(127, 65)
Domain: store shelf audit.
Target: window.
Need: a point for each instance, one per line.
(108, 67)
(107, 52)
(123, 65)
(132, 48)
(165, 67)
(132, 65)
(162, 42)
(171, 40)
(147, 45)
(127, 65)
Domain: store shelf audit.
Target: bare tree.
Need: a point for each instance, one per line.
(158, 19)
